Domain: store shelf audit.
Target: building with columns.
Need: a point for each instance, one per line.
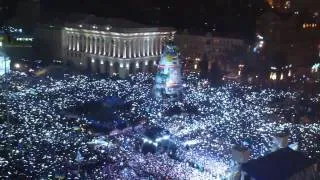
(113, 46)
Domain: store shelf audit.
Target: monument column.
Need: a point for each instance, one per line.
(139, 47)
(152, 46)
(69, 41)
(156, 45)
(160, 44)
(104, 46)
(86, 41)
(91, 44)
(114, 48)
(109, 46)
(144, 47)
(124, 55)
(134, 47)
(95, 45)
(78, 42)
(119, 48)
(148, 47)
(130, 48)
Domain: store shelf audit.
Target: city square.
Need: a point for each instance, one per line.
(160, 90)
(40, 140)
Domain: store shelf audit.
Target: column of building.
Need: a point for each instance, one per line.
(124, 49)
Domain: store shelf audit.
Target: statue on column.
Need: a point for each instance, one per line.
(168, 79)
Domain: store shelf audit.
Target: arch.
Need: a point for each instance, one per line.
(93, 40)
(89, 67)
(107, 66)
(150, 66)
(89, 45)
(146, 49)
(97, 65)
(98, 46)
(141, 65)
(116, 66)
(102, 46)
(132, 67)
(83, 43)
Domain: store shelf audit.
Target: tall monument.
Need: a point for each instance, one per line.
(168, 79)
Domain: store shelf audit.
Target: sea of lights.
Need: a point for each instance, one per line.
(39, 141)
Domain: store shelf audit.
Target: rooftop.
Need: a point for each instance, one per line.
(281, 164)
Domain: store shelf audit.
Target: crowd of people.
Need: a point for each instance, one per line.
(37, 140)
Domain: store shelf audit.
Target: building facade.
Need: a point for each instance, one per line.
(113, 50)
(224, 51)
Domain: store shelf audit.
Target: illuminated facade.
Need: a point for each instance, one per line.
(221, 50)
(111, 49)
(4, 64)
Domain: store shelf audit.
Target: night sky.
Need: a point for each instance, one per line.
(235, 17)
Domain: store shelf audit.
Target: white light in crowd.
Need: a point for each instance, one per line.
(273, 76)
(17, 66)
(36, 103)
(281, 76)
(260, 37)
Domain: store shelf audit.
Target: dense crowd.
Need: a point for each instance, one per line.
(38, 140)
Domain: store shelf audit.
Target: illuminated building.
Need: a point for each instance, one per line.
(221, 50)
(115, 46)
(104, 45)
(292, 37)
(4, 64)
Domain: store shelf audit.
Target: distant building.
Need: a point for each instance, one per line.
(288, 6)
(5, 63)
(291, 35)
(224, 51)
(112, 46)
(280, 5)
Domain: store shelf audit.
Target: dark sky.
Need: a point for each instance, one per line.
(225, 16)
